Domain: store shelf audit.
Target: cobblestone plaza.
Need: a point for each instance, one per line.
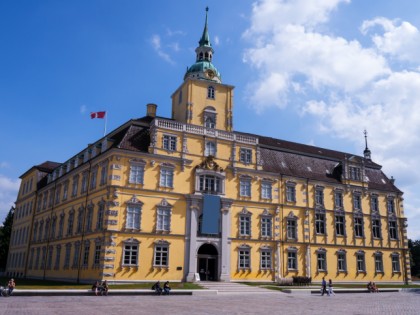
(280, 303)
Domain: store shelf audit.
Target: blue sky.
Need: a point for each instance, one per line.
(315, 72)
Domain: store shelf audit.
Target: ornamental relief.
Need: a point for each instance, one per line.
(210, 164)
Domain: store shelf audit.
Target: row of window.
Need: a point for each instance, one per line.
(19, 236)
(23, 210)
(358, 223)
(16, 260)
(53, 197)
(27, 187)
(360, 261)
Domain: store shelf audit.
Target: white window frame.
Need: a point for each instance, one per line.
(130, 254)
(266, 189)
(266, 226)
(359, 226)
(376, 228)
(340, 225)
(161, 254)
(244, 257)
(291, 228)
(245, 186)
(321, 260)
(245, 155)
(395, 261)
(320, 223)
(169, 142)
(360, 262)
(291, 192)
(210, 148)
(341, 261)
(379, 264)
(136, 175)
(133, 219)
(245, 225)
(266, 259)
(292, 263)
(166, 176)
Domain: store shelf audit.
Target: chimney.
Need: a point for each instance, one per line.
(151, 110)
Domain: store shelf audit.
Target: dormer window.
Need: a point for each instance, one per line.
(354, 173)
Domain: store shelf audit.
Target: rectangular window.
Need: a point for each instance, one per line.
(65, 190)
(50, 256)
(104, 175)
(338, 199)
(163, 219)
(379, 266)
(355, 173)
(161, 256)
(357, 202)
(341, 262)
(130, 254)
(291, 193)
(89, 219)
(169, 143)
(358, 227)
(390, 205)
(245, 156)
(86, 254)
(266, 227)
(245, 188)
(67, 256)
(97, 257)
(75, 185)
(321, 261)
(374, 203)
(245, 225)
(93, 177)
(70, 224)
(57, 195)
(133, 217)
(376, 228)
(319, 197)
(360, 262)
(393, 230)
(291, 229)
(292, 260)
(265, 259)
(84, 182)
(244, 258)
(266, 189)
(76, 255)
(339, 225)
(320, 223)
(209, 184)
(395, 263)
(136, 174)
(166, 177)
(100, 217)
(57, 257)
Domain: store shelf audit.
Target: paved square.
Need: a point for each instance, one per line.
(379, 304)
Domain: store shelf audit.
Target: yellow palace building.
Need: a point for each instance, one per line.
(187, 198)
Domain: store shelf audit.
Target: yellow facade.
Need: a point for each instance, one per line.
(186, 198)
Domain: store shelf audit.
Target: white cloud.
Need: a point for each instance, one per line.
(400, 39)
(344, 86)
(8, 194)
(83, 109)
(4, 164)
(156, 44)
(216, 40)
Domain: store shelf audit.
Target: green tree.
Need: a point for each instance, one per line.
(5, 233)
(414, 247)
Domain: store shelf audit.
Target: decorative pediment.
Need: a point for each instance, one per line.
(210, 164)
(135, 200)
(292, 216)
(164, 203)
(245, 211)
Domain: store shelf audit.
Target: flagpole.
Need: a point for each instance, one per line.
(106, 118)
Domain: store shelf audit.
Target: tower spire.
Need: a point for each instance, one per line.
(205, 38)
(366, 152)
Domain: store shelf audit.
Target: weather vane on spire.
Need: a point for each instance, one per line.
(366, 152)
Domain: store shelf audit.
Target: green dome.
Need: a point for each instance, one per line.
(202, 67)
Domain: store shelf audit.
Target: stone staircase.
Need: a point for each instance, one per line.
(235, 288)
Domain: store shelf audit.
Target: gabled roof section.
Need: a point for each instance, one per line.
(46, 167)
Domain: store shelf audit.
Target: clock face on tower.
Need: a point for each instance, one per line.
(210, 73)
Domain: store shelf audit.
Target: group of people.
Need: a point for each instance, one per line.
(159, 290)
(324, 290)
(101, 288)
(372, 288)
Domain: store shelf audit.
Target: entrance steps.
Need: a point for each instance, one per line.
(235, 288)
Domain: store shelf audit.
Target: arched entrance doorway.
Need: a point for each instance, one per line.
(207, 262)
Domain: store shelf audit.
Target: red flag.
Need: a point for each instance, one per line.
(97, 115)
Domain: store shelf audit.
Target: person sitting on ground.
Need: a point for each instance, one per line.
(374, 288)
(157, 288)
(105, 287)
(11, 286)
(369, 287)
(166, 288)
(95, 287)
